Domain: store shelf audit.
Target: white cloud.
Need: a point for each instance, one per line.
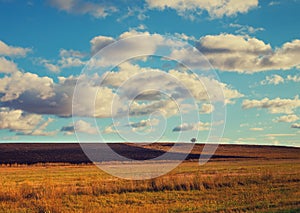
(68, 58)
(245, 29)
(139, 27)
(165, 107)
(200, 88)
(139, 13)
(245, 54)
(185, 37)
(274, 106)
(206, 108)
(144, 83)
(17, 120)
(295, 78)
(19, 83)
(287, 118)
(215, 8)
(41, 95)
(70, 62)
(49, 65)
(200, 126)
(91, 99)
(97, 10)
(144, 43)
(256, 129)
(6, 50)
(98, 42)
(7, 66)
(71, 58)
(277, 79)
(148, 84)
(71, 53)
(24, 123)
(31, 93)
(126, 70)
(273, 79)
(85, 127)
(296, 125)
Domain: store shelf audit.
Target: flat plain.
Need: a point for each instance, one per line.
(239, 178)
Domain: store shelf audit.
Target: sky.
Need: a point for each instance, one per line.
(249, 49)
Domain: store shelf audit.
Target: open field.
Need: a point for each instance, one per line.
(237, 179)
(31, 153)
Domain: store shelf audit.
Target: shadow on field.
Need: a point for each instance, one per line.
(31, 153)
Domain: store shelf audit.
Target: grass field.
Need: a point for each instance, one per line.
(270, 183)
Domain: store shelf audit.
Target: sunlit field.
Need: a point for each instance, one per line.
(264, 184)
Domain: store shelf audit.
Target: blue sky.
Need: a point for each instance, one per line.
(253, 46)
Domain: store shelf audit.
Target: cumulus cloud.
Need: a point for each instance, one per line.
(244, 54)
(32, 93)
(6, 50)
(200, 126)
(97, 10)
(274, 106)
(156, 87)
(98, 42)
(49, 65)
(68, 58)
(19, 83)
(41, 95)
(206, 108)
(7, 66)
(165, 107)
(85, 127)
(23, 123)
(296, 125)
(216, 9)
(287, 118)
(17, 120)
(200, 88)
(126, 49)
(273, 79)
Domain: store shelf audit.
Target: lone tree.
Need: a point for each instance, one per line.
(193, 140)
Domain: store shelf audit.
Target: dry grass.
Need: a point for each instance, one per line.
(237, 186)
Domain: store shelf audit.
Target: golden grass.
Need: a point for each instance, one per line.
(236, 186)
